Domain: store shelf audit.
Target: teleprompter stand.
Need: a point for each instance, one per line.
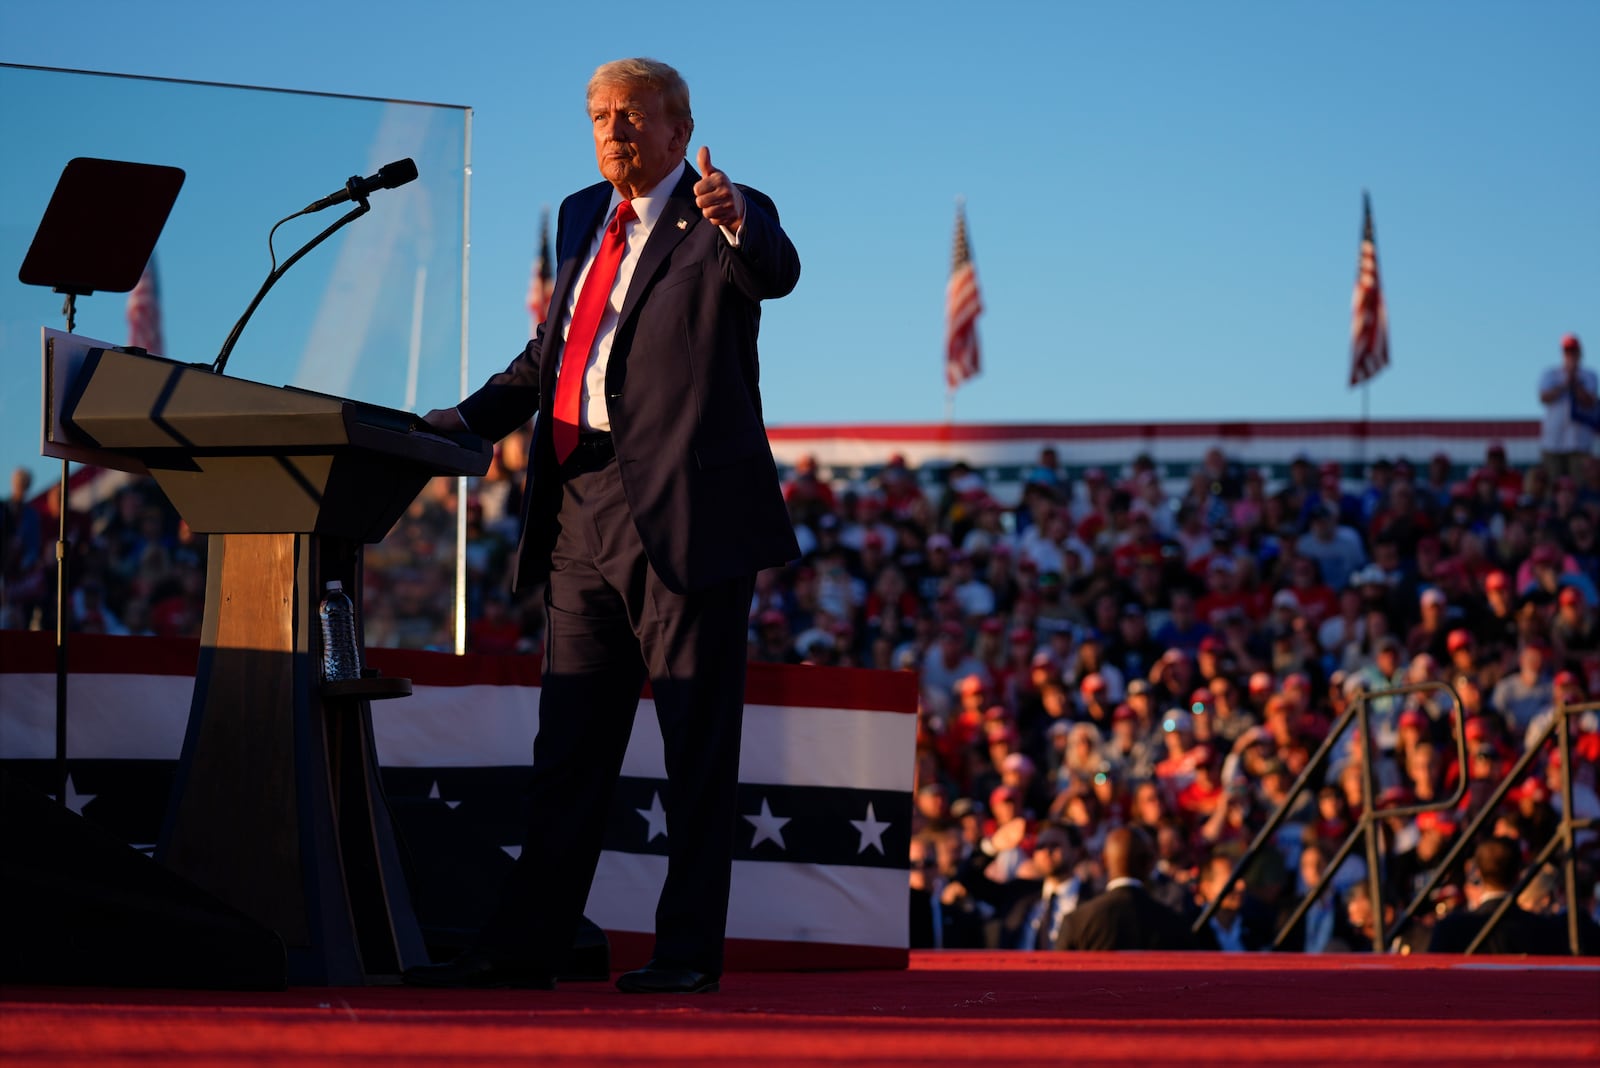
(96, 236)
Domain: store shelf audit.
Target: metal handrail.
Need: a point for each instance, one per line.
(1565, 836)
(1367, 825)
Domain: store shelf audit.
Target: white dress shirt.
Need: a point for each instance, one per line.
(592, 414)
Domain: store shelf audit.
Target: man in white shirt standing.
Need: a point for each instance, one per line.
(1564, 442)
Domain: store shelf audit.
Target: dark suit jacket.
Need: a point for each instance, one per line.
(681, 391)
(1124, 918)
(1021, 897)
(1517, 932)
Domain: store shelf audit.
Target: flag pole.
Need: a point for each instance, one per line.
(1369, 324)
(950, 393)
(1361, 444)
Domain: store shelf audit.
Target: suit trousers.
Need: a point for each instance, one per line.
(611, 625)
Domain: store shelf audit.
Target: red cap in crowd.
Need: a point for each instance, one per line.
(1530, 790)
(1436, 821)
(1496, 580)
(1570, 595)
(1570, 343)
(1394, 797)
(1458, 640)
(1004, 793)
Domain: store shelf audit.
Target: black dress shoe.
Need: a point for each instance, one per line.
(476, 970)
(654, 978)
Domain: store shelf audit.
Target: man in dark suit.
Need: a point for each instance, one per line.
(943, 914)
(1125, 916)
(1036, 908)
(652, 500)
(1490, 877)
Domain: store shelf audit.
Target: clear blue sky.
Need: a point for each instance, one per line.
(1163, 197)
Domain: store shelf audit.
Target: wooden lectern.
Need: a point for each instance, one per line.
(277, 808)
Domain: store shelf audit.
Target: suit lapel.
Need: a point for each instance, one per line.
(675, 223)
(588, 211)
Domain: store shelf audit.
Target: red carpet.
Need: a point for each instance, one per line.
(971, 1009)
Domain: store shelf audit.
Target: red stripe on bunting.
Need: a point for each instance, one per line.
(33, 652)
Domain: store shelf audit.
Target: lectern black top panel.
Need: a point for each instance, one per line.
(101, 226)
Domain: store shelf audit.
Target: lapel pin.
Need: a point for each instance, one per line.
(683, 224)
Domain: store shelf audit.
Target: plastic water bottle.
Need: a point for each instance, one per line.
(341, 653)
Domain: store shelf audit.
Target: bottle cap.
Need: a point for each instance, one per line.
(335, 584)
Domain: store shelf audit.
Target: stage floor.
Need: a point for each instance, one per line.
(971, 1009)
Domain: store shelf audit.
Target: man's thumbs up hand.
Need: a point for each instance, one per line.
(719, 199)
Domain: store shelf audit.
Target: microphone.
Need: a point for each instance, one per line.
(389, 176)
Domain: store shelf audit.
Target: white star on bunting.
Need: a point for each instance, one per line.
(871, 830)
(655, 816)
(75, 800)
(769, 828)
(433, 795)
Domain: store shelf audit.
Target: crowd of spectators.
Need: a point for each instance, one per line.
(1112, 667)
(133, 566)
(1104, 655)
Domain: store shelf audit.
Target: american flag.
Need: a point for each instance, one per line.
(540, 284)
(1369, 319)
(962, 306)
(144, 312)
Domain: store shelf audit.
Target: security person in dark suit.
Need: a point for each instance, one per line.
(1490, 877)
(1125, 916)
(652, 500)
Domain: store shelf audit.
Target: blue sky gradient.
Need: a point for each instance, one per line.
(1163, 198)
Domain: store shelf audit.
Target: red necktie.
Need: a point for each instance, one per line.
(586, 314)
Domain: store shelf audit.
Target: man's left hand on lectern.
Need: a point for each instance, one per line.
(445, 419)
